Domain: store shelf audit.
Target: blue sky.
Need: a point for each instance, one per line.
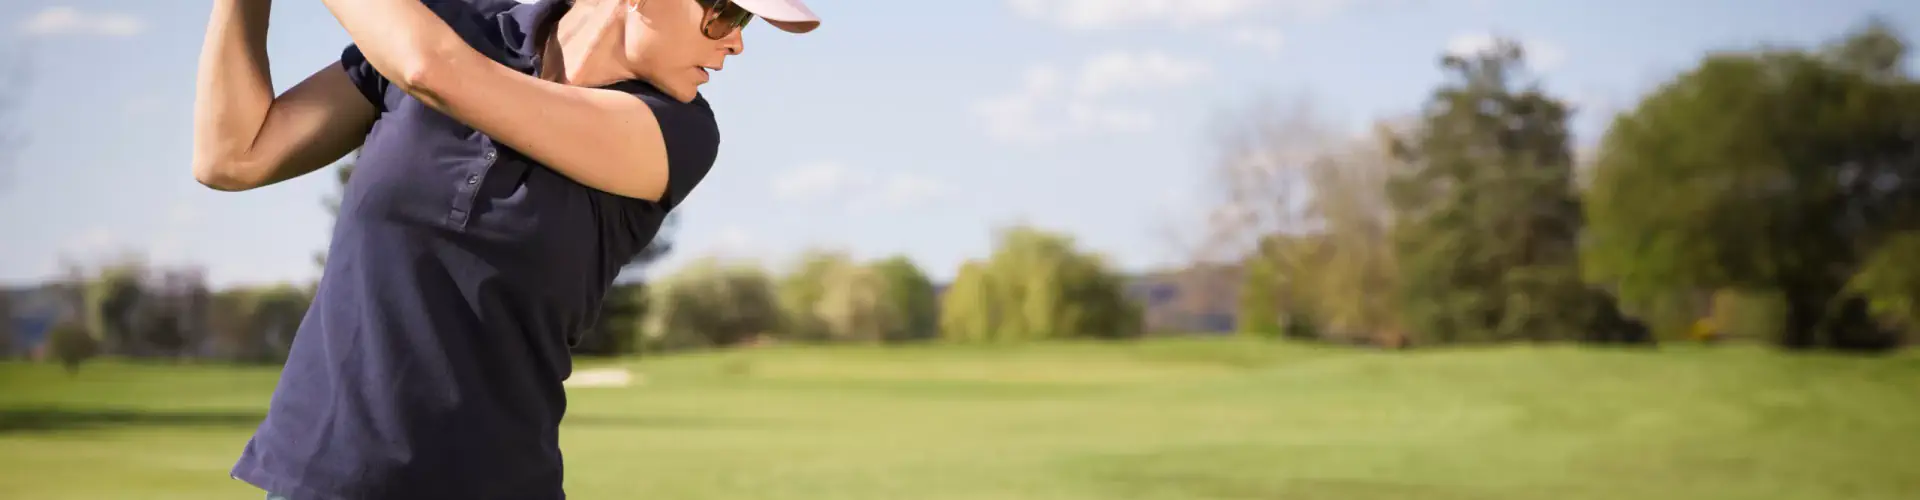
(898, 127)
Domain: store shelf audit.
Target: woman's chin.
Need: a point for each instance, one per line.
(683, 92)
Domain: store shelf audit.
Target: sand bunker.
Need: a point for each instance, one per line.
(602, 377)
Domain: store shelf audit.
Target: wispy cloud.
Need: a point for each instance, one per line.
(70, 21)
(1054, 102)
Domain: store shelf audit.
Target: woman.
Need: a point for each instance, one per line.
(512, 158)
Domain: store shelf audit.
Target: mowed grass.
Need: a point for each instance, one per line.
(1176, 419)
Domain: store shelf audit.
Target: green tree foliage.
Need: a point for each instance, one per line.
(1744, 315)
(6, 325)
(1277, 291)
(256, 324)
(1037, 285)
(1487, 217)
(969, 311)
(855, 307)
(711, 304)
(1313, 201)
(828, 296)
(1771, 171)
(71, 344)
(276, 318)
(109, 299)
(911, 296)
(1890, 280)
(1258, 309)
(802, 290)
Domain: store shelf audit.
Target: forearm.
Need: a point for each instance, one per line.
(233, 89)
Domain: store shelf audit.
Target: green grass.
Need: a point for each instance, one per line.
(1186, 419)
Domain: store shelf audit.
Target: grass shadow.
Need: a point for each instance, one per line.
(603, 420)
(55, 419)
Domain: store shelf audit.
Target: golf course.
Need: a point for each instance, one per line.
(1159, 419)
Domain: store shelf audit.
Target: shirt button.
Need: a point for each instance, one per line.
(473, 179)
(489, 155)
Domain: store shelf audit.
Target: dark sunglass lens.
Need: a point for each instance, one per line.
(726, 18)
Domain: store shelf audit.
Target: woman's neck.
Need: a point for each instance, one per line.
(584, 46)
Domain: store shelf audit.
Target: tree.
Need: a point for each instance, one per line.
(831, 297)
(1890, 280)
(170, 318)
(1278, 293)
(1037, 285)
(70, 343)
(802, 289)
(969, 311)
(6, 324)
(1776, 170)
(854, 305)
(1312, 203)
(277, 314)
(709, 303)
(911, 296)
(110, 300)
(1487, 219)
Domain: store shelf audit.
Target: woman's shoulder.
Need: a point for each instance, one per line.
(693, 118)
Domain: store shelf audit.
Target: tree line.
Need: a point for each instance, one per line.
(1036, 285)
(1769, 193)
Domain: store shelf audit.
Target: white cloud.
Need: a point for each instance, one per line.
(1541, 55)
(1054, 103)
(1265, 40)
(63, 20)
(1117, 14)
(856, 189)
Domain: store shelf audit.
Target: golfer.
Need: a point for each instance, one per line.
(512, 158)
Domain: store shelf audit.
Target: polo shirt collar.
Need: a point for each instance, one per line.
(527, 23)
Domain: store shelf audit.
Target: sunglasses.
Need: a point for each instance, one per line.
(723, 17)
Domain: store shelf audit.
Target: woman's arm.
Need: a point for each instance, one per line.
(604, 139)
(244, 137)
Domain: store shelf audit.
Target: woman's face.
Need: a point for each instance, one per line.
(665, 45)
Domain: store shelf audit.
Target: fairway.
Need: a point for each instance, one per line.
(1168, 419)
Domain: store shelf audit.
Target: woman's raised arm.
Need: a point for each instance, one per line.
(605, 139)
(243, 136)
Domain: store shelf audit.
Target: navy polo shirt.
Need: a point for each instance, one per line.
(459, 275)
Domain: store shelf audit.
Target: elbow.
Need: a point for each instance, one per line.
(222, 175)
(421, 77)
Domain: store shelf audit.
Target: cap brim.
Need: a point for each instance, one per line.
(790, 16)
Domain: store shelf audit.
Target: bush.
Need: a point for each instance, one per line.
(711, 304)
(1037, 285)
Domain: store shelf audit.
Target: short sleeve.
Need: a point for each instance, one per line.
(692, 138)
(370, 82)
